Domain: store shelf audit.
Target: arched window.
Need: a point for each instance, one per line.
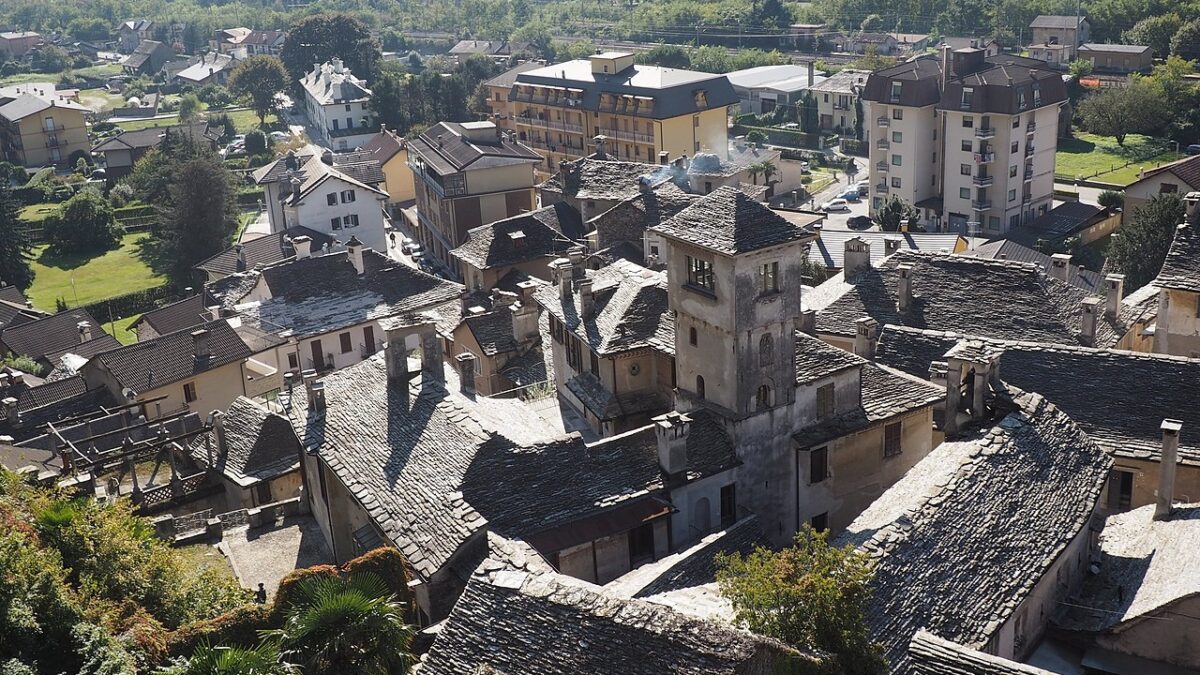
(766, 350)
(700, 386)
(692, 336)
(763, 398)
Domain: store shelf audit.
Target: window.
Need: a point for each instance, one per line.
(964, 193)
(728, 505)
(350, 220)
(966, 146)
(932, 181)
(818, 466)
(877, 202)
(347, 107)
(331, 198)
(1021, 103)
(897, 137)
(964, 169)
(700, 273)
(1037, 94)
(700, 387)
(968, 121)
(766, 350)
(692, 336)
(347, 196)
(897, 113)
(1120, 490)
(1014, 147)
(293, 361)
(895, 181)
(935, 158)
(891, 439)
(897, 160)
(1168, 188)
(1016, 121)
(896, 89)
(993, 222)
(768, 278)
(762, 400)
(335, 223)
(335, 125)
(1012, 195)
(820, 522)
(349, 122)
(1014, 220)
(189, 392)
(825, 401)
(824, 98)
(346, 343)
(595, 364)
(1012, 171)
(369, 339)
(707, 187)
(696, 121)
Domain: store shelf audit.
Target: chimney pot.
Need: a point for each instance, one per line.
(524, 322)
(85, 331)
(904, 287)
(241, 257)
(303, 246)
(317, 402)
(1170, 456)
(219, 431)
(200, 344)
(354, 249)
(466, 372)
(587, 301)
(11, 411)
(564, 277)
(1114, 290)
(396, 355)
(1090, 316)
(856, 257)
(671, 431)
(866, 337)
(890, 245)
(1060, 266)
(1191, 204)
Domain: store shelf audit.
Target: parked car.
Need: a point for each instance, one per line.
(1193, 149)
(850, 195)
(864, 188)
(279, 135)
(414, 249)
(838, 204)
(859, 222)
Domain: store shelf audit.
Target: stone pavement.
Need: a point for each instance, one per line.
(266, 554)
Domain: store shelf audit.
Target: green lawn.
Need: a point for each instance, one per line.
(244, 120)
(102, 71)
(36, 213)
(100, 99)
(120, 329)
(113, 273)
(1099, 158)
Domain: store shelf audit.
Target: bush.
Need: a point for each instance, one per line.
(23, 364)
(84, 224)
(756, 136)
(256, 142)
(388, 564)
(1111, 199)
(120, 195)
(289, 586)
(215, 96)
(237, 627)
(100, 127)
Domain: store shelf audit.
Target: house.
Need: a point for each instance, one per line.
(837, 99)
(1086, 221)
(259, 42)
(187, 314)
(227, 40)
(991, 161)
(467, 175)
(910, 43)
(880, 43)
(597, 183)
(27, 408)
(37, 131)
(209, 69)
(311, 189)
(1123, 59)
(503, 343)
(131, 33)
(1177, 322)
(198, 370)
(338, 105)
(929, 654)
(148, 58)
(14, 45)
(255, 452)
(119, 153)
(809, 37)
(500, 50)
(832, 248)
(989, 46)
(1181, 176)
(48, 339)
(329, 307)
(528, 244)
(391, 151)
(742, 170)
(981, 540)
(1056, 39)
(260, 252)
(625, 224)
(763, 88)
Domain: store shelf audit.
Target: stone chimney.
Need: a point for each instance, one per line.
(466, 372)
(200, 346)
(1170, 457)
(808, 321)
(1089, 320)
(1060, 266)
(295, 184)
(396, 356)
(890, 245)
(587, 301)
(218, 422)
(601, 142)
(1191, 205)
(671, 431)
(327, 157)
(562, 275)
(316, 401)
(664, 158)
(645, 184)
(354, 250)
(337, 65)
(1114, 290)
(431, 352)
(213, 313)
(240, 251)
(904, 294)
(856, 257)
(524, 322)
(303, 246)
(866, 337)
(85, 331)
(11, 412)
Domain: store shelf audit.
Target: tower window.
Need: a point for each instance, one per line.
(763, 398)
(700, 273)
(700, 386)
(766, 350)
(825, 401)
(692, 336)
(768, 278)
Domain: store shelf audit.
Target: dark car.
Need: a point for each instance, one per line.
(859, 222)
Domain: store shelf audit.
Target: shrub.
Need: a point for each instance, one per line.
(237, 627)
(120, 195)
(23, 364)
(388, 564)
(1111, 199)
(256, 142)
(289, 586)
(215, 95)
(756, 136)
(84, 224)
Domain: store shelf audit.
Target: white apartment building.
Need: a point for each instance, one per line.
(969, 139)
(338, 105)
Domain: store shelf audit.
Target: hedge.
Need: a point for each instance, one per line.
(855, 147)
(235, 628)
(785, 137)
(129, 304)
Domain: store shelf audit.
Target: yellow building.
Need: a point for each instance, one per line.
(392, 152)
(643, 111)
(36, 131)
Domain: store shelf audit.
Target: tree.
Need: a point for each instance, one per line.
(1155, 32)
(1141, 245)
(871, 24)
(667, 56)
(208, 660)
(256, 142)
(851, 167)
(84, 224)
(1080, 68)
(893, 212)
(1138, 108)
(259, 78)
(318, 38)
(202, 214)
(873, 60)
(1111, 199)
(768, 169)
(344, 626)
(1186, 41)
(811, 596)
(51, 59)
(389, 101)
(189, 107)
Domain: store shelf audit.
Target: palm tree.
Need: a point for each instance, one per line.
(769, 169)
(755, 170)
(346, 626)
(209, 660)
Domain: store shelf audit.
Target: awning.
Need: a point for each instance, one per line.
(614, 521)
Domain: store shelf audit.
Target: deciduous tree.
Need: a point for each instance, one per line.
(1139, 108)
(1186, 41)
(317, 38)
(84, 224)
(1155, 32)
(1138, 249)
(260, 78)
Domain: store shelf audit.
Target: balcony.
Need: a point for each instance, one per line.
(883, 144)
(1031, 127)
(883, 121)
(881, 166)
(1029, 151)
(881, 188)
(981, 205)
(984, 157)
(1028, 175)
(982, 181)
(985, 132)
(633, 136)
(547, 124)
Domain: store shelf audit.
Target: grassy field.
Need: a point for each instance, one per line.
(1099, 158)
(102, 71)
(119, 329)
(113, 273)
(36, 213)
(100, 99)
(244, 120)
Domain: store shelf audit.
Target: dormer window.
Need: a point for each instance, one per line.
(1021, 102)
(1037, 95)
(968, 94)
(896, 92)
(701, 98)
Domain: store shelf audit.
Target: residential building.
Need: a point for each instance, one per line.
(261, 252)
(910, 43)
(1087, 222)
(989, 46)
(311, 189)
(15, 309)
(498, 89)
(1123, 59)
(1177, 322)
(131, 33)
(48, 339)
(593, 185)
(14, 45)
(254, 451)
(119, 153)
(809, 37)
(527, 244)
(499, 50)
(763, 88)
(38, 131)
(1178, 177)
(624, 226)
(260, 42)
(467, 175)
(227, 40)
(861, 43)
(968, 139)
(391, 151)
(148, 58)
(1008, 249)
(837, 100)
(642, 110)
(503, 343)
(338, 105)
(209, 69)
(187, 314)
(1056, 39)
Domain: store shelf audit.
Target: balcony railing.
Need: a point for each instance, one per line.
(881, 166)
(982, 181)
(628, 135)
(548, 124)
(881, 188)
(985, 132)
(984, 157)
(1028, 174)
(1031, 127)
(1029, 151)
(883, 144)
(883, 121)
(981, 205)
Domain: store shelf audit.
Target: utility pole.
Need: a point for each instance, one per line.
(1075, 53)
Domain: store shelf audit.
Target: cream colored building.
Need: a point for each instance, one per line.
(40, 131)
(642, 110)
(392, 152)
(1178, 177)
(968, 139)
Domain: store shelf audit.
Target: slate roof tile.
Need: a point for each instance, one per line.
(1181, 268)
(542, 234)
(931, 655)
(263, 251)
(170, 358)
(50, 335)
(260, 445)
(609, 180)
(728, 221)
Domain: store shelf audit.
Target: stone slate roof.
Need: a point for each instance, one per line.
(829, 249)
(263, 251)
(1058, 223)
(961, 540)
(1181, 268)
(698, 567)
(606, 405)
(1145, 565)
(1007, 249)
(53, 334)
(52, 401)
(549, 624)
(885, 393)
(816, 359)
(607, 179)
(447, 148)
(630, 310)
(170, 358)
(730, 222)
(527, 368)
(493, 331)
(1118, 397)
(962, 294)
(931, 655)
(324, 293)
(542, 234)
(12, 294)
(260, 445)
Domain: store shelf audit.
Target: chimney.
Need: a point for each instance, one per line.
(466, 372)
(587, 302)
(904, 287)
(601, 146)
(303, 246)
(808, 321)
(524, 322)
(866, 337)
(295, 183)
(337, 65)
(1060, 266)
(85, 331)
(218, 422)
(241, 257)
(1114, 290)
(812, 73)
(354, 249)
(575, 255)
(671, 431)
(1191, 205)
(12, 412)
(1088, 320)
(396, 355)
(316, 401)
(200, 345)
(290, 162)
(945, 65)
(856, 257)
(327, 157)
(562, 276)
(664, 158)
(644, 184)
(213, 313)
(890, 245)
(1170, 456)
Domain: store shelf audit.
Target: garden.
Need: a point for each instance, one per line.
(1100, 159)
